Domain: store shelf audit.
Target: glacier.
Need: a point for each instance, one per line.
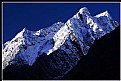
(63, 40)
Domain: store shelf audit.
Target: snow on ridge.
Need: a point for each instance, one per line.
(84, 10)
(60, 38)
(105, 13)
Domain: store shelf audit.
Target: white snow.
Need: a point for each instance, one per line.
(102, 14)
(60, 38)
(37, 33)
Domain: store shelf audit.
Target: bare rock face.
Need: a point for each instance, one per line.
(53, 51)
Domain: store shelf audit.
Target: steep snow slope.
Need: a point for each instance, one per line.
(66, 42)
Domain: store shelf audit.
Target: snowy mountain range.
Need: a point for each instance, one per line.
(62, 44)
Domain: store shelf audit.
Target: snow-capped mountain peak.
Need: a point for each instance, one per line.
(78, 33)
(104, 14)
(85, 11)
(88, 24)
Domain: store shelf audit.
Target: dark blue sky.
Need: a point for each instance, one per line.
(34, 16)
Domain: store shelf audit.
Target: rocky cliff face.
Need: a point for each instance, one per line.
(52, 52)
